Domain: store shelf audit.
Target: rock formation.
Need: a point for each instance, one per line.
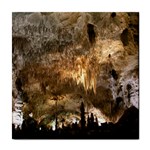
(74, 57)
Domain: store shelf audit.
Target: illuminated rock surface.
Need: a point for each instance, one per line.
(72, 58)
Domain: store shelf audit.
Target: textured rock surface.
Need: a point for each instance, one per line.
(75, 57)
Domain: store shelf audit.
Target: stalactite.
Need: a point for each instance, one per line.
(85, 76)
(113, 87)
